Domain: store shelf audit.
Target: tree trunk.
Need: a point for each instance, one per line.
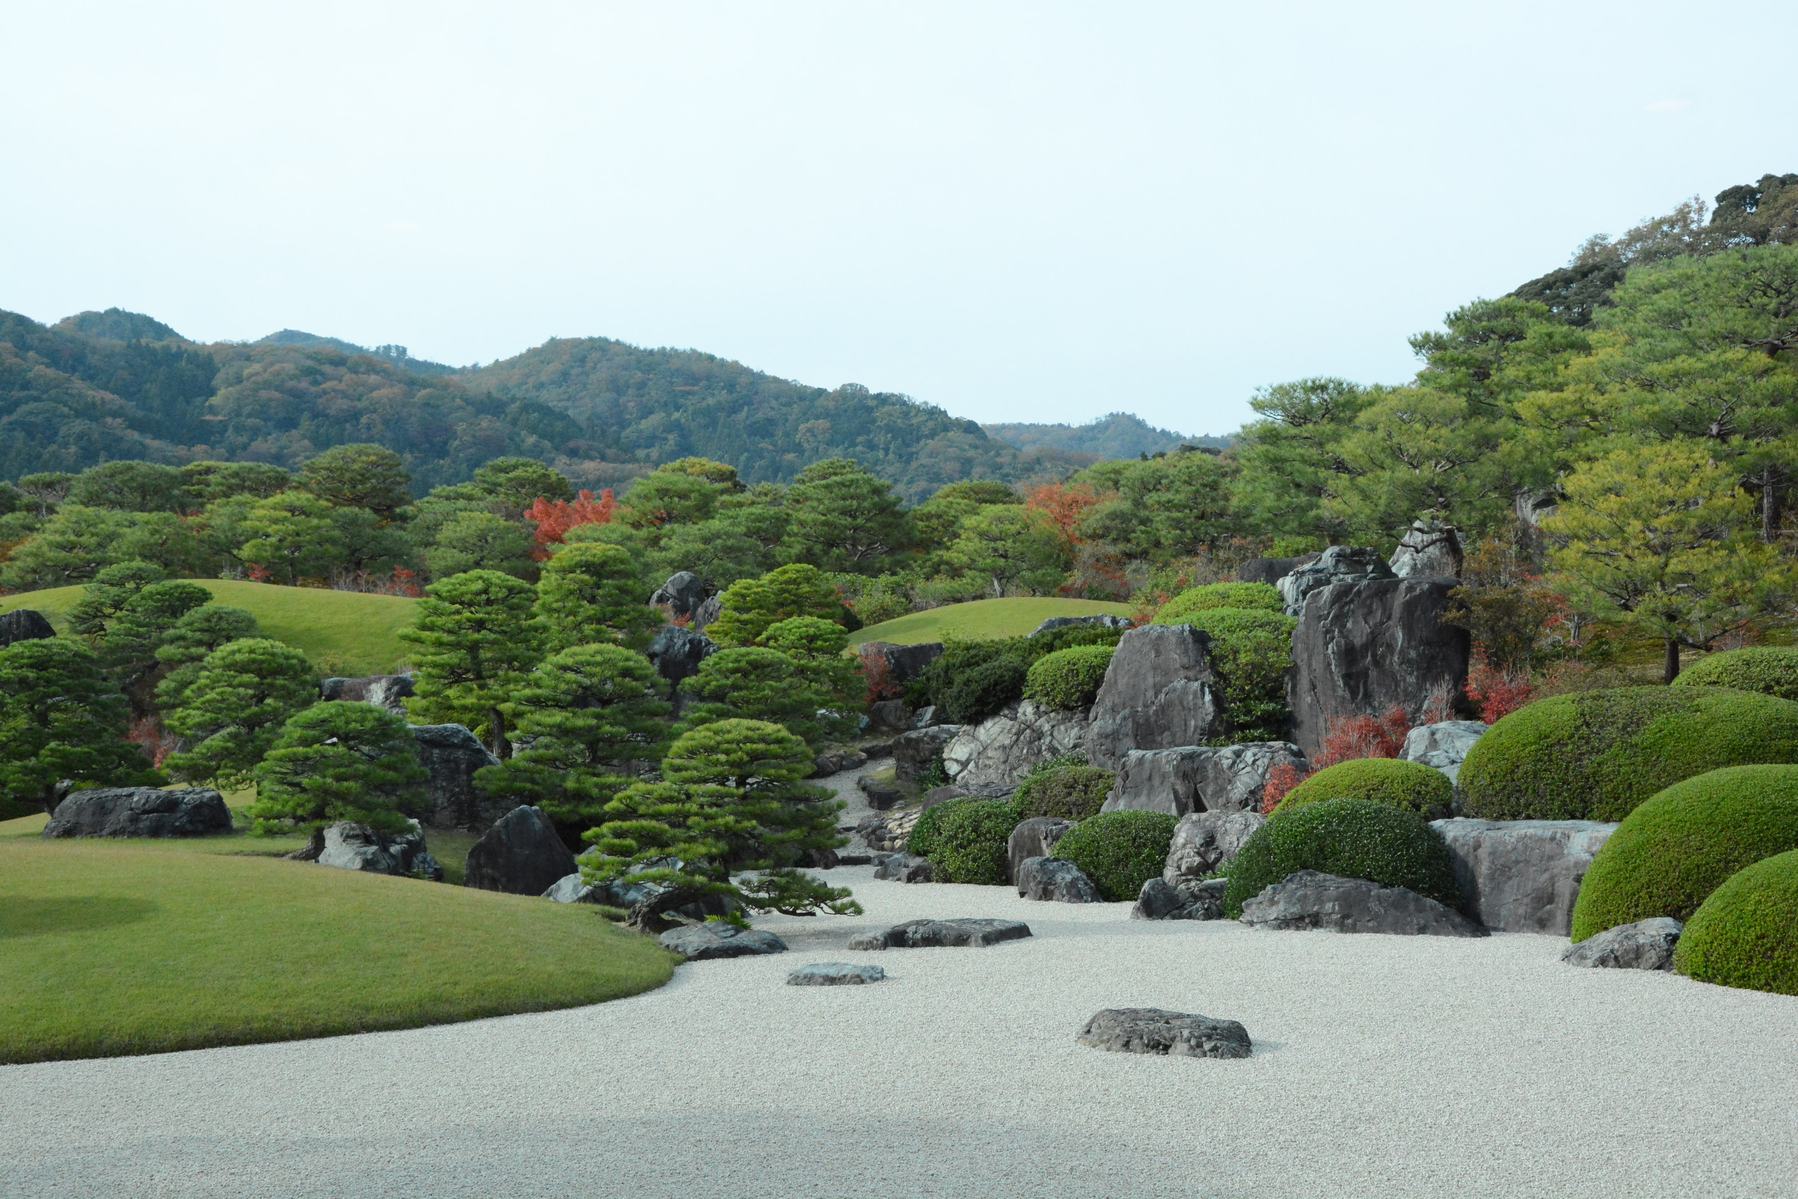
(496, 729)
(1770, 481)
(1672, 671)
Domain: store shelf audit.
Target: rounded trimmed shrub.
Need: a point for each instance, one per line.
(924, 834)
(1391, 781)
(1595, 755)
(1350, 838)
(1746, 934)
(1067, 790)
(984, 690)
(1681, 844)
(1263, 597)
(1119, 851)
(1251, 651)
(971, 841)
(1068, 678)
(1770, 670)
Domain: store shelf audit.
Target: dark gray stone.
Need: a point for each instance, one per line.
(1002, 749)
(905, 868)
(1036, 837)
(883, 791)
(1442, 746)
(1199, 778)
(349, 846)
(388, 691)
(836, 761)
(900, 663)
(1070, 622)
(1271, 570)
(1644, 945)
(1312, 899)
(1183, 899)
(931, 934)
(1054, 880)
(140, 812)
(1522, 876)
(1428, 550)
(1338, 564)
(835, 974)
(1362, 649)
(1205, 842)
(23, 624)
(1158, 693)
(677, 652)
(450, 755)
(681, 596)
(916, 750)
(1175, 1034)
(521, 855)
(653, 907)
(890, 715)
(716, 939)
(571, 888)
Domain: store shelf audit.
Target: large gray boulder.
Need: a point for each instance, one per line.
(1072, 622)
(1522, 876)
(677, 652)
(900, 664)
(140, 812)
(1362, 649)
(1159, 692)
(1180, 899)
(1644, 945)
(23, 624)
(1271, 570)
(1199, 778)
(1205, 842)
(716, 939)
(1338, 564)
(521, 855)
(1054, 880)
(915, 750)
(1175, 1034)
(1311, 899)
(1428, 550)
(348, 846)
(1442, 746)
(1002, 749)
(681, 596)
(1036, 837)
(450, 755)
(905, 868)
(935, 934)
(388, 691)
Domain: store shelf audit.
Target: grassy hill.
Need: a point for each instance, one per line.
(342, 632)
(980, 620)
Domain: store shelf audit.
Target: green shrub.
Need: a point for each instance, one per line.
(1395, 783)
(1746, 933)
(1679, 846)
(1351, 838)
(1251, 650)
(1068, 678)
(1595, 755)
(1263, 597)
(1066, 790)
(944, 681)
(924, 834)
(1119, 851)
(1770, 670)
(984, 691)
(971, 841)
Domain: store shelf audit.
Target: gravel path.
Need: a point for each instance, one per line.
(1384, 1067)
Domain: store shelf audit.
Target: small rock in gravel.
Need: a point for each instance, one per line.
(1154, 1030)
(715, 939)
(931, 934)
(835, 974)
(905, 868)
(1644, 945)
(1056, 880)
(1187, 899)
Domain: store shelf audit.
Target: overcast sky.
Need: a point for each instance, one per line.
(1021, 211)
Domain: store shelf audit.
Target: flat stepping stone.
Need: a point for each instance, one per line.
(716, 939)
(932, 934)
(1174, 1034)
(835, 974)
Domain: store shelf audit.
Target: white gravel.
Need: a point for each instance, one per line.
(1384, 1067)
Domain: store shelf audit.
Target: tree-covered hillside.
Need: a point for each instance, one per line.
(1115, 435)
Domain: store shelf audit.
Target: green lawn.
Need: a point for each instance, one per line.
(342, 632)
(980, 620)
(125, 947)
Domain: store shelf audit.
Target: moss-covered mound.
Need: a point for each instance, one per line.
(1746, 933)
(1770, 670)
(1680, 845)
(1180, 609)
(1068, 678)
(1595, 755)
(1395, 783)
(1066, 790)
(970, 841)
(1350, 838)
(1119, 851)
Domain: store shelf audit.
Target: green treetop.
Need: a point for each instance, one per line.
(339, 761)
(61, 719)
(233, 709)
(475, 637)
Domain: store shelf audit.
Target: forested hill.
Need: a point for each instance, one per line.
(1115, 435)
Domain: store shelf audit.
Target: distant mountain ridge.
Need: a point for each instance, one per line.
(1114, 435)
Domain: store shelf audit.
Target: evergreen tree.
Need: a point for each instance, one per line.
(128, 649)
(749, 606)
(821, 650)
(235, 706)
(754, 683)
(111, 589)
(475, 639)
(61, 719)
(591, 592)
(482, 541)
(1014, 548)
(293, 536)
(183, 649)
(339, 761)
(359, 476)
(843, 518)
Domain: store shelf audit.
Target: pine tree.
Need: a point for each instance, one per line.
(128, 648)
(591, 592)
(749, 606)
(339, 761)
(105, 597)
(755, 683)
(232, 712)
(476, 638)
(61, 718)
(185, 646)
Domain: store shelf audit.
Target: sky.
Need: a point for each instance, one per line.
(1015, 211)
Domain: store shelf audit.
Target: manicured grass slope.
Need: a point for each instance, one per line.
(980, 620)
(110, 948)
(342, 632)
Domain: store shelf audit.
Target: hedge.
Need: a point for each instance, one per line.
(1119, 851)
(1251, 651)
(1067, 790)
(1770, 670)
(1351, 838)
(971, 840)
(1068, 678)
(972, 680)
(1260, 596)
(1395, 783)
(1746, 933)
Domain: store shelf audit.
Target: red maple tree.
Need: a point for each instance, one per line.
(554, 518)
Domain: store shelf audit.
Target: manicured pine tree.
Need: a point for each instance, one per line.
(475, 639)
(753, 683)
(749, 606)
(128, 648)
(105, 597)
(821, 648)
(235, 707)
(590, 593)
(185, 646)
(339, 761)
(61, 718)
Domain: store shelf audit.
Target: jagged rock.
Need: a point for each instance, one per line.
(914, 752)
(140, 812)
(681, 596)
(1205, 842)
(676, 653)
(1197, 778)
(716, 939)
(1312, 899)
(1271, 570)
(450, 755)
(1182, 899)
(1442, 746)
(883, 791)
(1175, 1034)
(1001, 750)
(1362, 649)
(521, 854)
(388, 691)
(924, 717)
(349, 846)
(23, 624)
(835, 974)
(1069, 622)
(900, 664)
(932, 934)
(1428, 550)
(708, 612)
(836, 761)
(1036, 837)
(571, 888)
(1054, 880)
(890, 715)
(1338, 564)
(906, 868)
(1158, 693)
(1522, 876)
(1644, 945)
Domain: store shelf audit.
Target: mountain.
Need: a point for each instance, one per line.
(116, 324)
(393, 353)
(1116, 435)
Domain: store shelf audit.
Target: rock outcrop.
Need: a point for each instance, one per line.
(23, 624)
(677, 652)
(450, 755)
(1180, 899)
(905, 868)
(1428, 550)
(521, 854)
(1001, 750)
(1071, 622)
(140, 812)
(1205, 842)
(900, 664)
(1197, 778)
(1644, 945)
(1338, 564)
(935, 934)
(681, 596)
(1522, 876)
(1271, 570)
(916, 750)
(1036, 837)
(348, 846)
(1175, 1034)
(1442, 746)
(1159, 692)
(1054, 880)
(388, 691)
(1312, 899)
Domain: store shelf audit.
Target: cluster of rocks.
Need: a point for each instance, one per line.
(348, 846)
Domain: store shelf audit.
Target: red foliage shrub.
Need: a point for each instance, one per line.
(1350, 737)
(1496, 692)
(878, 674)
(1064, 504)
(256, 572)
(148, 735)
(1280, 780)
(554, 518)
